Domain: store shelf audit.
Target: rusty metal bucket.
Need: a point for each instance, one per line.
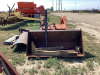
(68, 43)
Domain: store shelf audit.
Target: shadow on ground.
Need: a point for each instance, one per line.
(67, 59)
(20, 48)
(16, 25)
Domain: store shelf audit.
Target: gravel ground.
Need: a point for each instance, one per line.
(88, 22)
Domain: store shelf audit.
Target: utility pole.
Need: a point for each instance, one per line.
(56, 5)
(52, 4)
(75, 5)
(59, 5)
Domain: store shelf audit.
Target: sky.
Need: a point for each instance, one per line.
(66, 4)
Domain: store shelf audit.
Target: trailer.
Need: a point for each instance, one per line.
(29, 8)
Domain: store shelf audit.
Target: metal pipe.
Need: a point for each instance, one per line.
(46, 28)
(9, 11)
(4, 66)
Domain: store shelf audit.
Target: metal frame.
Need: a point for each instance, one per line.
(61, 26)
(9, 66)
(56, 38)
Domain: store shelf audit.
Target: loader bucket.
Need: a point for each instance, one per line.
(60, 43)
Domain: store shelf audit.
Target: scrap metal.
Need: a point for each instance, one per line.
(21, 40)
(61, 26)
(67, 38)
(26, 10)
(56, 41)
(8, 68)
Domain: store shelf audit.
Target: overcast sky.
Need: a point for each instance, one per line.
(68, 4)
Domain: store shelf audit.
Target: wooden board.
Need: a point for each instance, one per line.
(32, 47)
(55, 53)
(53, 48)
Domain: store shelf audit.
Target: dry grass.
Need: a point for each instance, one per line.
(15, 55)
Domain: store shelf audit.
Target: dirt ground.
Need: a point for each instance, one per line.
(88, 22)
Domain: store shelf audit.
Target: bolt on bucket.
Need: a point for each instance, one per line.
(60, 43)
